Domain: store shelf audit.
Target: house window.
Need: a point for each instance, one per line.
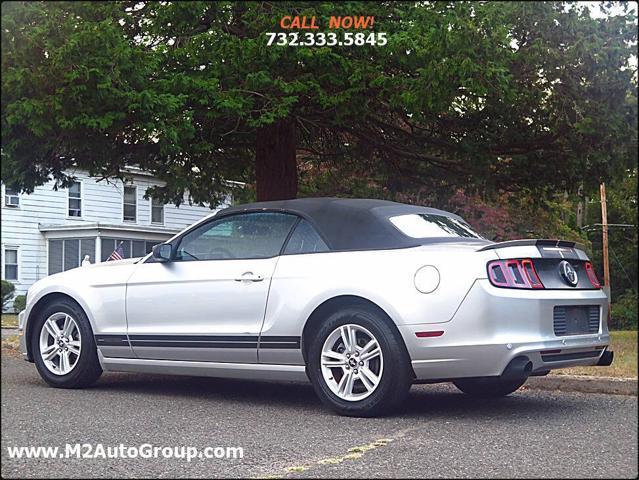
(157, 211)
(130, 248)
(130, 204)
(56, 256)
(69, 253)
(10, 264)
(75, 199)
(149, 246)
(108, 246)
(11, 197)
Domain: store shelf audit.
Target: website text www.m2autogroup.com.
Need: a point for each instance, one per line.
(146, 450)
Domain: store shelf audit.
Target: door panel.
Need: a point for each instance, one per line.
(204, 310)
(208, 303)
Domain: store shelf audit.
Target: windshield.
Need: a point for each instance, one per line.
(427, 225)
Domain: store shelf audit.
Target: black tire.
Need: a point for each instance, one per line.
(87, 369)
(488, 387)
(396, 377)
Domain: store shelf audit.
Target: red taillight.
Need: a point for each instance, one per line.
(514, 273)
(531, 273)
(514, 270)
(592, 276)
(497, 274)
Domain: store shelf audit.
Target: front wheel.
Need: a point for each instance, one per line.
(63, 347)
(488, 387)
(357, 364)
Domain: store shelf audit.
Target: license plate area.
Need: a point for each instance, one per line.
(576, 320)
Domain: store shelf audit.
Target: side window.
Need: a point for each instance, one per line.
(305, 240)
(248, 235)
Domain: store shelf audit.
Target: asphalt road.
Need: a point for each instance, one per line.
(284, 431)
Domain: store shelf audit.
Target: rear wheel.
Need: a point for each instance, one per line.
(357, 363)
(63, 347)
(488, 387)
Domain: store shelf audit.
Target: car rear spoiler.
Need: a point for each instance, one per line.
(533, 242)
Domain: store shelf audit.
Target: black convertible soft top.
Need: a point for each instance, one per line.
(351, 224)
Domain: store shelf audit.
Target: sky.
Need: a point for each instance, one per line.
(617, 9)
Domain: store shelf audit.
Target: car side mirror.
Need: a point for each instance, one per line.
(162, 252)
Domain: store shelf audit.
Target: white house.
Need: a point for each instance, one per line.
(51, 231)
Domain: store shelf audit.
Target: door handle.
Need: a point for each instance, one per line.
(249, 277)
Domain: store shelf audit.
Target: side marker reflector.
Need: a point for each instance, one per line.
(437, 333)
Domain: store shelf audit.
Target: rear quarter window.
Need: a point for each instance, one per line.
(426, 225)
(305, 240)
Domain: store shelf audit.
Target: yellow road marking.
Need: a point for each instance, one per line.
(352, 454)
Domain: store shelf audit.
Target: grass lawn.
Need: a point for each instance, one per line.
(11, 345)
(9, 320)
(624, 344)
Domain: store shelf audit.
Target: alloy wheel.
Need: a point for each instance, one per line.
(352, 362)
(60, 343)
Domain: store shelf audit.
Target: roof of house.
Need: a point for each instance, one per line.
(349, 224)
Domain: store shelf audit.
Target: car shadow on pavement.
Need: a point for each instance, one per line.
(431, 401)
(444, 401)
(289, 394)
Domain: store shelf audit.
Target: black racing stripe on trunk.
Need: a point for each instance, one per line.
(564, 253)
(531, 242)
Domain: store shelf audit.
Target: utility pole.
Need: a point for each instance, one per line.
(604, 227)
(581, 211)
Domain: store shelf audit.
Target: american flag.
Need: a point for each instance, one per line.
(118, 253)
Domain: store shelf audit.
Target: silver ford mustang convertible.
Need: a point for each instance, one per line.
(361, 297)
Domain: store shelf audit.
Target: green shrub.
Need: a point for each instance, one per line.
(19, 303)
(7, 292)
(624, 311)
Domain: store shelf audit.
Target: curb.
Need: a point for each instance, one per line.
(584, 384)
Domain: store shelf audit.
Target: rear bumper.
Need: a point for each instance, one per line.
(493, 326)
(491, 360)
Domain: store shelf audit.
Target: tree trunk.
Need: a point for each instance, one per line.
(275, 162)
